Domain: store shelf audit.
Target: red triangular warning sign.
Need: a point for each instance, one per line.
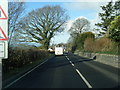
(3, 36)
(3, 16)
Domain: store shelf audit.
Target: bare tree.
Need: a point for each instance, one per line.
(40, 25)
(15, 10)
(79, 25)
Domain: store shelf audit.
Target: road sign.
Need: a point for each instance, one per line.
(3, 15)
(2, 51)
(2, 35)
(3, 29)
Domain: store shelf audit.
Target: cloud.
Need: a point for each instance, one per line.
(80, 17)
(83, 5)
(68, 25)
(60, 38)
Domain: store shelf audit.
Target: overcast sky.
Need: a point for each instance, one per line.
(76, 8)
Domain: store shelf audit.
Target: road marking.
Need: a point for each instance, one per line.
(70, 62)
(103, 71)
(83, 78)
(73, 65)
(67, 57)
(25, 74)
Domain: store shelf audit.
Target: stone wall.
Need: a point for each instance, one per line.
(112, 60)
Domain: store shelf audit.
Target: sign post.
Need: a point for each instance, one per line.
(3, 34)
(0, 73)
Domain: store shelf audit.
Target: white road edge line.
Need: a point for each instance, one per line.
(87, 83)
(24, 74)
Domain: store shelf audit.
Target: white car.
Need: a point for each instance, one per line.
(50, 50)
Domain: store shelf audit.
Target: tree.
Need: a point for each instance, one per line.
(114, 30)
(110, 11)
(117, 8)
(106, 17)
(82, 37)
(79, 25)
(40, 25)
(15, 9)
(78, 42)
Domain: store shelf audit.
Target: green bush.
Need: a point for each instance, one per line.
(78, 42)
(114, 29)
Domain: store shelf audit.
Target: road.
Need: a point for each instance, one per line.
(69, 71)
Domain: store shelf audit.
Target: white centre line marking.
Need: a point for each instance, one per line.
(67, 57)
(83, 78)
(87, 83)
(70, 62)
(73, 64)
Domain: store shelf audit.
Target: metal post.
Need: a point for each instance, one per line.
(0, 73)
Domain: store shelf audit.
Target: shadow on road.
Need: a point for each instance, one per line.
(61, 60)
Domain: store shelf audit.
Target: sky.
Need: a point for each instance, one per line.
(75, 9)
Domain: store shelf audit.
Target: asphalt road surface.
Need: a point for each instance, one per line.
(69, 71)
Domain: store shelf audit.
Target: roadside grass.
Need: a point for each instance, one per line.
(112, 53)
(103, 52)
